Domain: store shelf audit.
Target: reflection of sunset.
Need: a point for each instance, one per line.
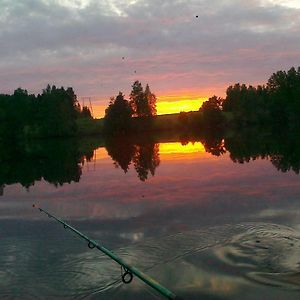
(100, 153)
(169, 148)
(171, 151)
(170, 104)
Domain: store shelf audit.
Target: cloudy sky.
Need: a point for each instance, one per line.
(185, 50)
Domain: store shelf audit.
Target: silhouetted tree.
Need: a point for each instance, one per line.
(142, 102)
(53, 113)
(117, 115)
(283, 90)
(151, 99)
(137, 100)
(58, 111)
(212, 112)
(276, 104)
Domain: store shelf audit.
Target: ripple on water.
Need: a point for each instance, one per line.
(30, 272)
(265, 253)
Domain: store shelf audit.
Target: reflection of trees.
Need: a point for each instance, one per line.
(246, 147)
(146, 159)
(57, 162)
(121, 151)
(282, 149)
(143, 155)
(284, 164)
(287, 156)
(60, 162)
(214, 145)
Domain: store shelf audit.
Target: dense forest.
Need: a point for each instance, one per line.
(275, 104)
(50, 114)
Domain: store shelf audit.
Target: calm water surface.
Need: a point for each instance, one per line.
(203, 226)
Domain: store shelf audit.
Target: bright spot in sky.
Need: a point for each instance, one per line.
(111, 7)
(74, 3)
(165, 105)
(287, 3)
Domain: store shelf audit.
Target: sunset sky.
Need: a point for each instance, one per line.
(186, 50)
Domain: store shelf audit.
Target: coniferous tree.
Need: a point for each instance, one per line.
(142, 102)
(151, 99)
(137, 99)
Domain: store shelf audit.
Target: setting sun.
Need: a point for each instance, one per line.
(166, 104)
(175, 104)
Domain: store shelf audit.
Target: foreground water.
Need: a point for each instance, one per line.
(201, 225)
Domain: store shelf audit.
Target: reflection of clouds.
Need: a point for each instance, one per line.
(133, 236)
(197, 280)
(136, 219)
(207, 187)
(68, 267)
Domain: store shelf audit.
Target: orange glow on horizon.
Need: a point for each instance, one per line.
(99, 110)
(169, 151)
(100, 153)
(175, 150)
(166, 104)
(169, 104)
(177, 147)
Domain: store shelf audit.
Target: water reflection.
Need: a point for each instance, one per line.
(60, 162)
(282, 149)
(56, 161)
(216, 262)
(212, 143)
(143, 154)
(194, 226)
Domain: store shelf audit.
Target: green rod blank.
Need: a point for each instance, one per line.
(93, 244)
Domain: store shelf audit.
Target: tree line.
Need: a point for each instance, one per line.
(277, 103)
(55, 111)
(52, 113)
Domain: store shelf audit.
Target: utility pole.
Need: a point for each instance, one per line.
(90, 107)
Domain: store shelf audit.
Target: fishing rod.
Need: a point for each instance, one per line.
(127, 271)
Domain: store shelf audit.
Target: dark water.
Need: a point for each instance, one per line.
(209, 220)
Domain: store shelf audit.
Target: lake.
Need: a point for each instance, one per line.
(208, 218)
